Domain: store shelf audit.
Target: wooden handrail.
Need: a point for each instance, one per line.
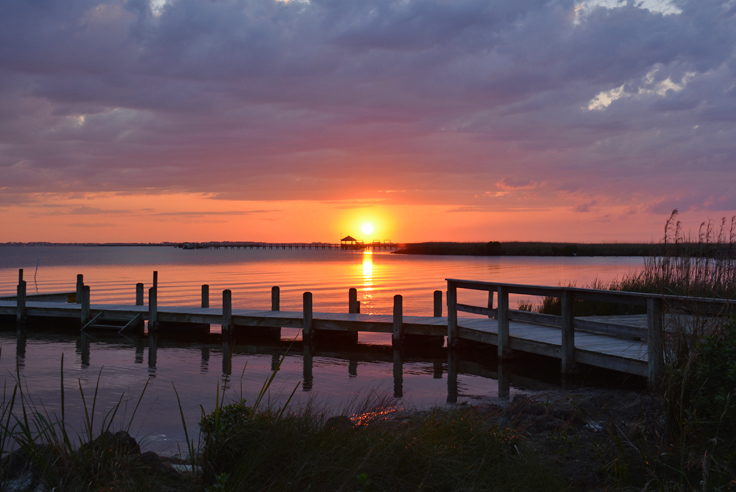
(654, 303)
(616, 296)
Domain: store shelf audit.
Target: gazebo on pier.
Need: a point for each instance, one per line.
(349, 242)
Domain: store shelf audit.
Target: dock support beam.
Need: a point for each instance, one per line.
(567, 345)
(205, 295)
(80, 284)
(353, 300)
(20, 312)
(84, 310)
(437, 304)
(307, 328)
(451, 316)
(152, 309)
(503, 323)
(397, 331)
(227, 312)
(139, 294)
(275, 298)
(655, 341)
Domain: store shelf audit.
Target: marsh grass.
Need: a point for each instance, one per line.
(437, 450)
(41, 448)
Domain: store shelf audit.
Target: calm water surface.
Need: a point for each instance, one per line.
(341, 381)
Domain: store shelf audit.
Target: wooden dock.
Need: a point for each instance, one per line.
(605, 342)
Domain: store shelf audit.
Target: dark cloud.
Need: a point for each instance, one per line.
(329, 99)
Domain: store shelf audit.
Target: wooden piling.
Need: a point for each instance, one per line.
(307, 366)
(20, 275)
(275, 298)
(452, 317)
(227, 356)
(353, 300)
(397, 331)
(80, 284)
(655, 341)
(567, 345)
(504, 386)
(205, 296)
(307, 330)
(152, 350)
(503, 322)
(84, 352)
(155, 278)
(20, 311)
(452, 363)
(152, 309)
(437, 303)
(227, 312)
(139, 294)
(84, 310)
(398, 373)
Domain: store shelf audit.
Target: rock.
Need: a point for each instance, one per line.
(339, 423)
(119, 442)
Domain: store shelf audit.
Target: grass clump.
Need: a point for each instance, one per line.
(437, 450)
(705, 267)
(41, 450)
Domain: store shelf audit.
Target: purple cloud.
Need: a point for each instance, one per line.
(328, 99)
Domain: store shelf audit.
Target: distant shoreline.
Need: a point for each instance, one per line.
(495, 248)
(491, 248)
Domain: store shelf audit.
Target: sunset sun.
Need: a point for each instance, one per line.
(368, 228)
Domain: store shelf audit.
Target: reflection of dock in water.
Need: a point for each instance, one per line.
(437, 363)
(612, 343)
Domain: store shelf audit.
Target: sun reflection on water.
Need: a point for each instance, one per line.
(366, 292)
(376, 415)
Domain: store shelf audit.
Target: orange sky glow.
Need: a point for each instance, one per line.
(264, 120)
(111, 217)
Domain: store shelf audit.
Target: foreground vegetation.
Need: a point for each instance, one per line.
(681, 439)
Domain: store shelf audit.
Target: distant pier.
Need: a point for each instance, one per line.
(374, 245)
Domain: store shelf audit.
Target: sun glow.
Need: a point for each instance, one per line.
(368, 228)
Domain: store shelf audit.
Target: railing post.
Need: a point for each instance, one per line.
(307, 317)
(490, 304)
(398, 321)
(655, 340)
(205, 296)
(353, 300)
(567, 329)
(20, 312)
(139, 294)
(227, 312)
(80, 284)
(84, 310)
(275, 298)
(503, 322)
(451, 315)
(437, 303)
(152, 309)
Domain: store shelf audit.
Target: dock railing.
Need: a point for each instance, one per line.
(655, 304)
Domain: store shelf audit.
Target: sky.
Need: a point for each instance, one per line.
(301, 120)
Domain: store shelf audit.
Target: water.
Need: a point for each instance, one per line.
(340, 380)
